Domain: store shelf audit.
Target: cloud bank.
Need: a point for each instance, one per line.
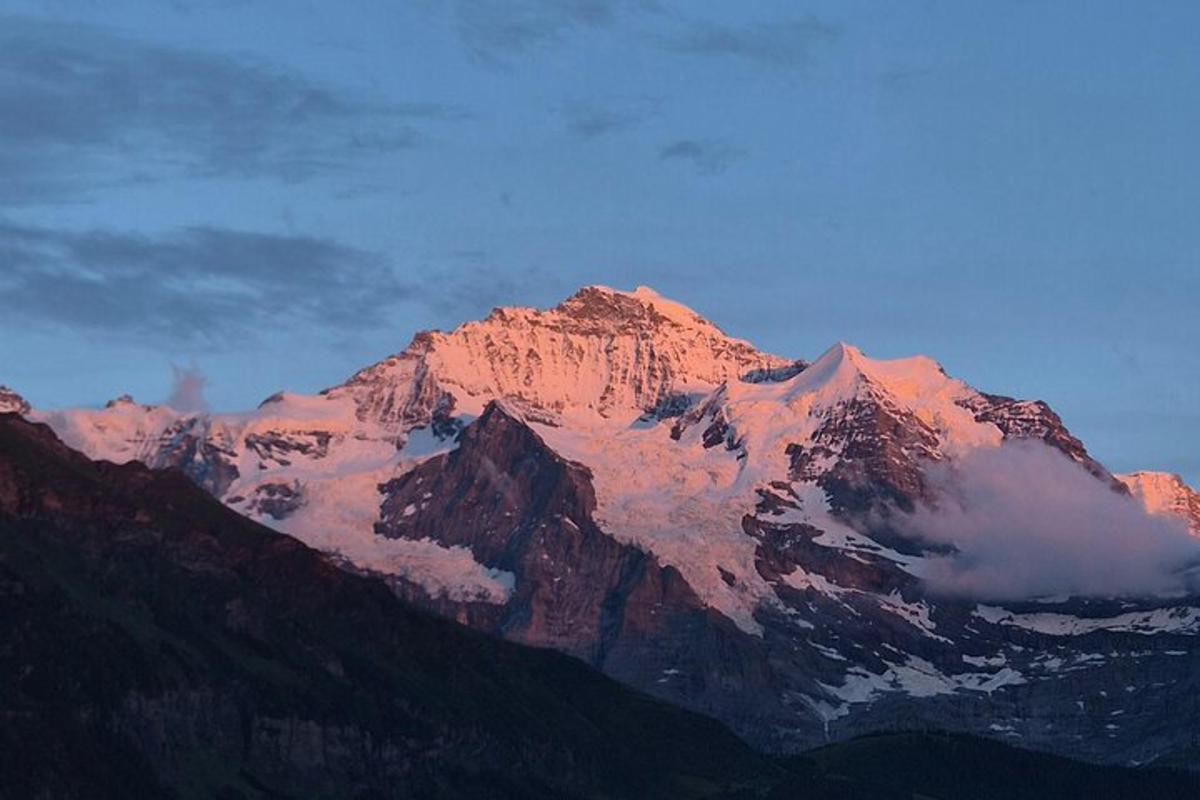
(1025, 522)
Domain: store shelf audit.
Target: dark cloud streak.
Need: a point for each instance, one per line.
(496, 31)
(777, 44)
(201, 285)
(708, 157)
(597, 120)
(594, 123)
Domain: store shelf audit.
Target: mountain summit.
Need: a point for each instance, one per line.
(756, 537)
(600, 351)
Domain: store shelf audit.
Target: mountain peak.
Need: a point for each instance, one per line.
(642, 305)
(642, 292)
(11, 402)
(601, 351)
(906, 379)
(844, 353)
(122, 401)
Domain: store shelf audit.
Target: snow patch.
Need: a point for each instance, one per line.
(1176, 620)
(917, 677)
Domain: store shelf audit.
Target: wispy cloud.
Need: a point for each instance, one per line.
(495, 31)
(1025, 522)
(708, 157)
(197, 285)
(787, 44)
(76, 102)
(187, 389)
(593, 120)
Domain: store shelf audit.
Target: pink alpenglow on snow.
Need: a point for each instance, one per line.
(639, 389)
(1164, 493)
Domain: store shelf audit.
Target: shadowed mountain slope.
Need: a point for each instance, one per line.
(156, 642)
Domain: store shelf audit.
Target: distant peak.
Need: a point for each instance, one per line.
(123, 400)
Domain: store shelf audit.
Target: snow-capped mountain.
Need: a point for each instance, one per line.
(727, 529)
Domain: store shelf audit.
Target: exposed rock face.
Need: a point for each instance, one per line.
(1033, 419)
(1164, 493)
(280, 447)
(276, 500)
(399, 392)
(617, 479)
(204, 455)
(521, 508)
(882, 451)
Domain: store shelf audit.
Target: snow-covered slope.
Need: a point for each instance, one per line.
(617, 478)
(311, 466)
(1165, 493)
(679, 488)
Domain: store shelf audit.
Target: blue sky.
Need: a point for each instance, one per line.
(282, 192)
